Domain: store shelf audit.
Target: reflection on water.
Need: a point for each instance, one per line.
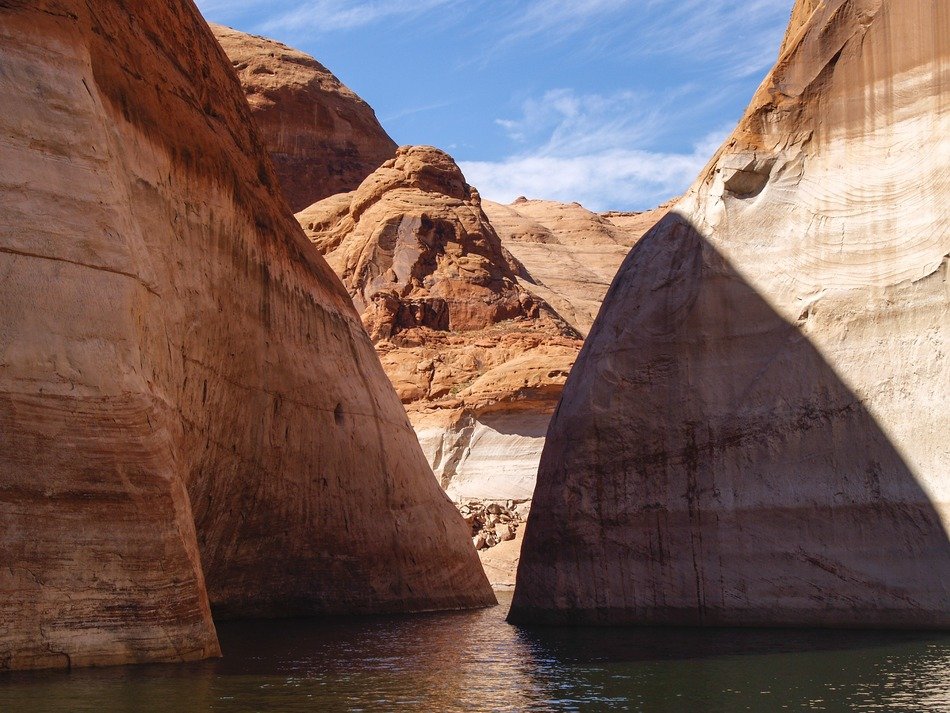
(474, 661)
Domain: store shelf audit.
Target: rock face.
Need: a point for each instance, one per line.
(478, 361)
(191, 415)
(569, 254)
(323, 139)
(755, 432)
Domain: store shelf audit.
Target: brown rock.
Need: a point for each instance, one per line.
(191, 415)
(756, 431)
(323, 139)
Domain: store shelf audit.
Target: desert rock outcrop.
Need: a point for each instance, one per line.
(755, 432)
(323, 139)
(191, 415)
(570, 254)
(477, 360)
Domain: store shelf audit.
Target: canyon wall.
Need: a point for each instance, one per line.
(192, 417)
(322, 138)
(755, 432)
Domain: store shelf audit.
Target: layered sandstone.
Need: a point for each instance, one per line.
(191, 414)
(755, 432)
(477, 360)
(322, 138)
(569, 254)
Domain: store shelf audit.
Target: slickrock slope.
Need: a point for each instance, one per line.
(478, 361)
(191, 415)
(570, 254)
(323, 139)
(756, 429)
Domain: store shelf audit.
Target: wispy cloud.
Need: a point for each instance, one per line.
(318, 16)
(609, 179)
(329, 15)
(740, 36)
(590, 148)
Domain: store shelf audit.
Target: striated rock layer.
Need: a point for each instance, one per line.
(570, 254)
(323, 139)
(191, 415)
(477, 360)
(755, 432)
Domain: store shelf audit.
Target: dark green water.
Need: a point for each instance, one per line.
(474, 661)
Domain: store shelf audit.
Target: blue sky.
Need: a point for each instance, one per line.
(616, 104)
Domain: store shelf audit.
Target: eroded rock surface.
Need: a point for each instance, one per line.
(756, 429)
(478, 360)
(191, 415)
(323, 139)
(570, 254)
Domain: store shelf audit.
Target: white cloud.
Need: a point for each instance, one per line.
(590, 148)
(615, 179)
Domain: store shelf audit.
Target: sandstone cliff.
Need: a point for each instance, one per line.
(477, 360)
(323, 139)
(569, 254)
(756, 429)
(191, 415)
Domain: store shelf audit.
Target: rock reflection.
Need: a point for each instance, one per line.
(474, 661)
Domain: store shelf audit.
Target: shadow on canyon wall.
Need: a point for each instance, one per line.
(707, 466)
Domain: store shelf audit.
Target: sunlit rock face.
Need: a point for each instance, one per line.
(322, 138)
(755, 432)
(570, 254)
(477, 359)
(191, 414)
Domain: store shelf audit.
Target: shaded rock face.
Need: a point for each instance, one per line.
(477, 360)
(191, 415)
(323, 139)
(569, 254)
(755, 431)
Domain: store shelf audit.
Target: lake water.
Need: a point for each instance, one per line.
(474, 661)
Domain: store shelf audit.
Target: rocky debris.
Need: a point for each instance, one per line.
(493, 522)
(191, 414)
(755, 433)
(323, 139)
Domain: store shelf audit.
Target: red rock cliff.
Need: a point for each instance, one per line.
(191, 415)
(755, 432)
(322, 138)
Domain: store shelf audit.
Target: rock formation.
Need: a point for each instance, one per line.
(323, 139)
(477, 360)
(755, 432)
(191, 415)
(569, 254)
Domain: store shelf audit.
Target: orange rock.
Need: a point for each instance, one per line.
(457, 333)
(323, 139)
(191, 415)
(570, 255)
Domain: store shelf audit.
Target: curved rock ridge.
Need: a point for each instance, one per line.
(323, 139)
(569, 254)
(477, 360)
(191, 414)
(755, 430)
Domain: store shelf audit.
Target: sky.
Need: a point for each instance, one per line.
(615, 104)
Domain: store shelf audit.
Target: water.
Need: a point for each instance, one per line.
(474, 661)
